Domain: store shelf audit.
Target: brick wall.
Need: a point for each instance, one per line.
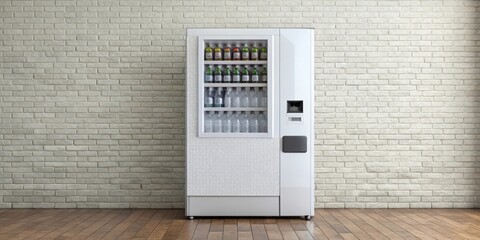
(92, 109)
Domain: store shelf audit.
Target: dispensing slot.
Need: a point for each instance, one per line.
(295, 106)
(294, 144)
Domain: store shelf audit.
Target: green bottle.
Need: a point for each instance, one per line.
(218, 75)
(245, 53)
(209, 75)
(227, 75)
(236, 75)
(254, 54)
(255, 75)
(263, 53)
(264, 77)
(245, 75)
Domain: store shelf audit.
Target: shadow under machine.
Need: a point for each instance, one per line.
(249, 122)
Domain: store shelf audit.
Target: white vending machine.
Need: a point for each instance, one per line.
(249, 122)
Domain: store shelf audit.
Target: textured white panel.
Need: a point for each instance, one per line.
(226, 166)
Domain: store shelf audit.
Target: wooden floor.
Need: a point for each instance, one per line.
(171, 224)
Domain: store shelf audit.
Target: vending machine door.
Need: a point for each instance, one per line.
(231, 173)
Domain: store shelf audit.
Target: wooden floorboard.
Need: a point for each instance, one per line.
(172, 224)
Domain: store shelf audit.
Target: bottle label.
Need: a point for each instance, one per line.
(254, 55)
(218, 55)
(227, 78)
(218, 78)
(245, 56)
(226, 56)
(236, 78)
(264, 78)
(263, 55)
(208, 55)
(255, 78)
(236, 56)
(245, 78)
(208, 78)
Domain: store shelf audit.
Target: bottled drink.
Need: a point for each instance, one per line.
(253, 98)
(262, 123)
(245, 75)
(218, 75)
(218, 99)
(208, 123)
(236, 75)
(254, 54)
(255, 75)
(236, 98)
(244, 98)
(218, 52)
(236, 52)
(252, 123)
(217, 122)
(208, 53)
(227, 54)
(244, 124)
(227, 123)
(227, 75)
(264, 77)
(263, 98)
(227, 101)
(263, 53)
(209, 98)
(245, 52)
(236, 123)
(209, 75)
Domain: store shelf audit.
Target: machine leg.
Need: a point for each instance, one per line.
(190, 217)
(308, 217)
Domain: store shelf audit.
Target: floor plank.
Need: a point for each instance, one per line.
(171, 224)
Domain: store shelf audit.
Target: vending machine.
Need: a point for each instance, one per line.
(249, 122)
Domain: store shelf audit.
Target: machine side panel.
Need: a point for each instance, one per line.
(296, 118)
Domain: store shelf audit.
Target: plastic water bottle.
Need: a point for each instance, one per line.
(236, 98)
(208, 123)
(262, 123)
(209, 98)
(236, 123)
(253, 123)
(227, 101)
(254, 98)
(244, 98)
(244, 125)
(217, 122)
(227, 123)
(263, 98)
(218, 99)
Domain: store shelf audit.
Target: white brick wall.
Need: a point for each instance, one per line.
(91, 97)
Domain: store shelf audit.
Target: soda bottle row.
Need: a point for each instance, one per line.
(228, 75)
(235, 122)
(236, 97)
(226, 51)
